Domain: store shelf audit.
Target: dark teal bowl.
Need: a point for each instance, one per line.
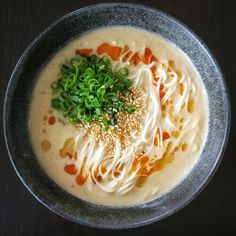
(18, 96)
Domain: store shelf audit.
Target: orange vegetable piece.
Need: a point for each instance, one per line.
(113, 51)
(84, 52)
(51, 120)
(135, 59)
(71, 169)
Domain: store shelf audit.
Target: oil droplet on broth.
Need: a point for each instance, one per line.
(175, 134)
(181, 89)
(45, 117)
(50, 112)
(184, 147)
(45, 145)
(190, 105)
(141, 181)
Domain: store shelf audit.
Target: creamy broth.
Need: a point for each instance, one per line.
(48, 138)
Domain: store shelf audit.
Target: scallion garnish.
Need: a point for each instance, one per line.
(89, 90)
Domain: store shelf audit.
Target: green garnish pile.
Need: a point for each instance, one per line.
(89, 90)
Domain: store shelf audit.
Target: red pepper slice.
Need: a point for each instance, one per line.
(84, 52)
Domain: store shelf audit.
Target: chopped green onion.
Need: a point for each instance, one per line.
(89, 90)
(131, 109)
(124, 71)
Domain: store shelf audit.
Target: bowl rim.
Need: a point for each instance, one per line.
(227, 116)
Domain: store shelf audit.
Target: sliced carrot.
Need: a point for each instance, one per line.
(165, 136)
(84, 52)
(135, 59)
(71, 169)
(113, 51)
(51, 120)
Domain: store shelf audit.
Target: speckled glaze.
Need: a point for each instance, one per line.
(19, 92)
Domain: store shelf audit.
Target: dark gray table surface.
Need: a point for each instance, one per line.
(213, 212)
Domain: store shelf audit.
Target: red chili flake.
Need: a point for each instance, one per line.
(84, 52)
(113, 51)
(165, 136)
(125, 49)
(135, 59)
(51, 120)
(148, 57)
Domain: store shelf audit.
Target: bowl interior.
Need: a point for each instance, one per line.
(18, 97)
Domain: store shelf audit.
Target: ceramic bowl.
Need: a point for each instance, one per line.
(24, 77)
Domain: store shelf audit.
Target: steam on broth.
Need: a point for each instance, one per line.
(118, 116)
